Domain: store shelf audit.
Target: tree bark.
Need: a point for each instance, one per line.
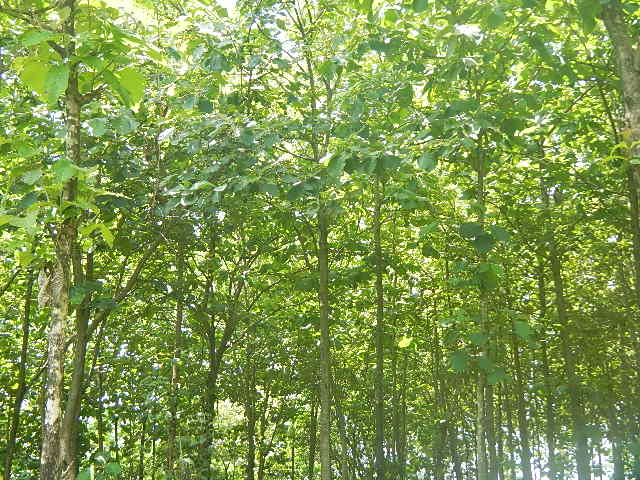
(175, 372)
(576, 408)
(250, 412)
(325, 358)
(523, 422)
(380, 461)
(22, 377)
(313, 437)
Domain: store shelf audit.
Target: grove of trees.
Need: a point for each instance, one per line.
(319, 239)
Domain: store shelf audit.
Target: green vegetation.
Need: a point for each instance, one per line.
(319, 239)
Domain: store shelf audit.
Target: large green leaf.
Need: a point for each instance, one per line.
(134, 82)
(34, 74)
(56, 82)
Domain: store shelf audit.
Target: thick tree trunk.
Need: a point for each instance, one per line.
(325, 358)
(22, 378)
(625, 42)
(64, 238)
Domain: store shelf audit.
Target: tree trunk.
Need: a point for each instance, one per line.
(64, 237)
(22, 378)
(325, 359)
(313, 434)
(380, 462)
(628, 59)
(69, 433)
(143, 432)
(576, 408)
(173, 389)
(250, 412)
(523, 422)
(482, 417)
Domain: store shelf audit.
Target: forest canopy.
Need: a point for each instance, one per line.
(319, 239)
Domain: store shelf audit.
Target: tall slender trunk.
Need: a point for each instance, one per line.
(523, 421)
(250, 412)
(380, 461)
(325, 359)
(69, 433)
(116, 440)
(313, 438)
(482, 417)
(22, 377)
(100, 419)
(576, 408)
(342, 432)
(175, 372)
(143, 433)
(64, 237)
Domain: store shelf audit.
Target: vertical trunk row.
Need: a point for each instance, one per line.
(380, 462)
(576, 407)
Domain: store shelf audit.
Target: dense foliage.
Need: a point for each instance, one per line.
(309, 239)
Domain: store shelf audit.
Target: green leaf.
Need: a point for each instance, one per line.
(64, 170)
(205, 106)
(98, 126)
(419, 5)
(125, 123)
(496, 376)
(522, 329)
(336, 165)
(56, 82)
(33, 75)
(133, 81)
(483, 243)
(113, 469)
(404, 342)
(589, 12)
(104, 231)
(34, 37)
(478, 338)
(296, 192)
(499, 233)
(85, 475)
(28, 223)
(471, 229)
(429, 252)
(32, 176)
(427, 161)
(459, 360)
